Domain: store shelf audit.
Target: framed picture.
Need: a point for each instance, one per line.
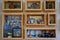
(16, 32)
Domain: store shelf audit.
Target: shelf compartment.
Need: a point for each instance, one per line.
(33, 5)
(51, 19)
(35, 19)
(49, 5)
(45, 34)
(12, 5)
(12, 26)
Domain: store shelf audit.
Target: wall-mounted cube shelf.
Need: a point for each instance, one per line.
(33, 5)
(49, 5)
(51, 19)
(12, 5)
(12, 26)
(40, 33)
(37, 16)
(38, 19)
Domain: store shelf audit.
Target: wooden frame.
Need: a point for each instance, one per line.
(36, 14)
(33, 9)
(49, 15)
(39, 29)
(49, 9)
(3, 21)
(12, 10)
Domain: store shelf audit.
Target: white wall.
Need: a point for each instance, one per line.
(58, 19)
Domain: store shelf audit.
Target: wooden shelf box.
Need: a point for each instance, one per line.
(12, 5)
(40, 33)
(49, 5)
(33, 5)
(51, 19)
(37, 19)
(12, 26)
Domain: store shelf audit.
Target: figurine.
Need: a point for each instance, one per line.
(52, 21)
(31, 21)
(34, 5)
(7, 30)
(39, 33)
(33, 33)
(28, 33)
(11, 5)
(39, 21)
(43, 33)
(52, 33)
(29, 5)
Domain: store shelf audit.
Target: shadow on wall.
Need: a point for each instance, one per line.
(0, 8)
(0, 20)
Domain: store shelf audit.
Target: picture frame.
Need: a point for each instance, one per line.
(16, 32)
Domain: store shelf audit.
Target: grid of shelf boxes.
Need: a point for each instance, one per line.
(34, 18)
(12, 20)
